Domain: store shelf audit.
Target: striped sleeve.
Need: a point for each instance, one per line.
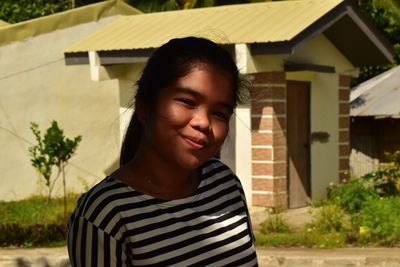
(243, 195)
(90, 246)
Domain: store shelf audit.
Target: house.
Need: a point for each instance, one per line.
(375, 121)
(36, 86)
(292, 138)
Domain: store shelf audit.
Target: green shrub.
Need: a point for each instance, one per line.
(385, 181)
(275, 223)
(14, 234)
(35, 210)
(352, 195)
(382, 183)
(394, 158)
(34, 221)
(330, 218)
(381, 219)
(53, 149)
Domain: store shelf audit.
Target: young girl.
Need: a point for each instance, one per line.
(171, 203)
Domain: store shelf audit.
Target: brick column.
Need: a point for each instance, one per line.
(344, 125)
(268, 124)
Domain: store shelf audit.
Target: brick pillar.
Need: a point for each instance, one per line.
(268, 124)
(344, 125)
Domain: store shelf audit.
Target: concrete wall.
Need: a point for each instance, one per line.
(36, 86)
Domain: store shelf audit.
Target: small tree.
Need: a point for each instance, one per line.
(53, 149)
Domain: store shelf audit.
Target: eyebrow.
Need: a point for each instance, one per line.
(189, 91)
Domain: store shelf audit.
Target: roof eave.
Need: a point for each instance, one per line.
(342, 17)
(354, 28)
(30, 28)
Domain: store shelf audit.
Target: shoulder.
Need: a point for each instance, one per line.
(214, 165)
(217, 169)
(101, 202)
(216, 174)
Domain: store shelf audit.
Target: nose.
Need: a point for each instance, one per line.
(201, 121)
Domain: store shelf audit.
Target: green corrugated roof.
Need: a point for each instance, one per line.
(244, 23)
(30, 28)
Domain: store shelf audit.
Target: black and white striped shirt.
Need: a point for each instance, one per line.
(115, 225)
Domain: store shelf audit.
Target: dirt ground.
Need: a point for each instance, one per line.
(296, 218)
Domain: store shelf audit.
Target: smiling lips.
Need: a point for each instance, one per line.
(195, 143)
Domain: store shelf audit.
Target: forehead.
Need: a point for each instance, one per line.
(208, 80)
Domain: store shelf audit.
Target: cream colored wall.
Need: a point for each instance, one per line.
(126, 95)
(321, 51)
(318, 50)
(37, 86)
(324, 102)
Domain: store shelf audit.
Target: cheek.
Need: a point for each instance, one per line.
(174, 115)
(221, 132)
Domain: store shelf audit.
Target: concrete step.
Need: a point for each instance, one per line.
(35, 257)
(341, 257)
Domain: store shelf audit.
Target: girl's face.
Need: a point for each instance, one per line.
(191, 118)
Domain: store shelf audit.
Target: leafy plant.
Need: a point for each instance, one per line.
(52, 150)
(381, 219)
(19, 10)
(385, 181)
(30, 235)
(385, 15)
(330, 218)
(394, 158)
(275, 223)
(352, 195)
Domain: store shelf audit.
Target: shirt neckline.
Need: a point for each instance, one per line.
(161, 201)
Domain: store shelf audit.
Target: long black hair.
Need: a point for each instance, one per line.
(165, 66)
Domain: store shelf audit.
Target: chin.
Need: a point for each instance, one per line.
(193, 163)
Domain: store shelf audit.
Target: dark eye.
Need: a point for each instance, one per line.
(222, 115)
(187, 102)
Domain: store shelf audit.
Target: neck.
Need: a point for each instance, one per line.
(158, 178)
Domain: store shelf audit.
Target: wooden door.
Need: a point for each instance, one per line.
(298, 142)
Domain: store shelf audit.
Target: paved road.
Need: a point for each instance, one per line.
(288, 257)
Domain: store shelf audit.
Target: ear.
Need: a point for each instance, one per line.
(141, 111)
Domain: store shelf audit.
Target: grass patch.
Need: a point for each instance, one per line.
(301, 239)
(35, 210)
(34, 222)
(322, 232)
